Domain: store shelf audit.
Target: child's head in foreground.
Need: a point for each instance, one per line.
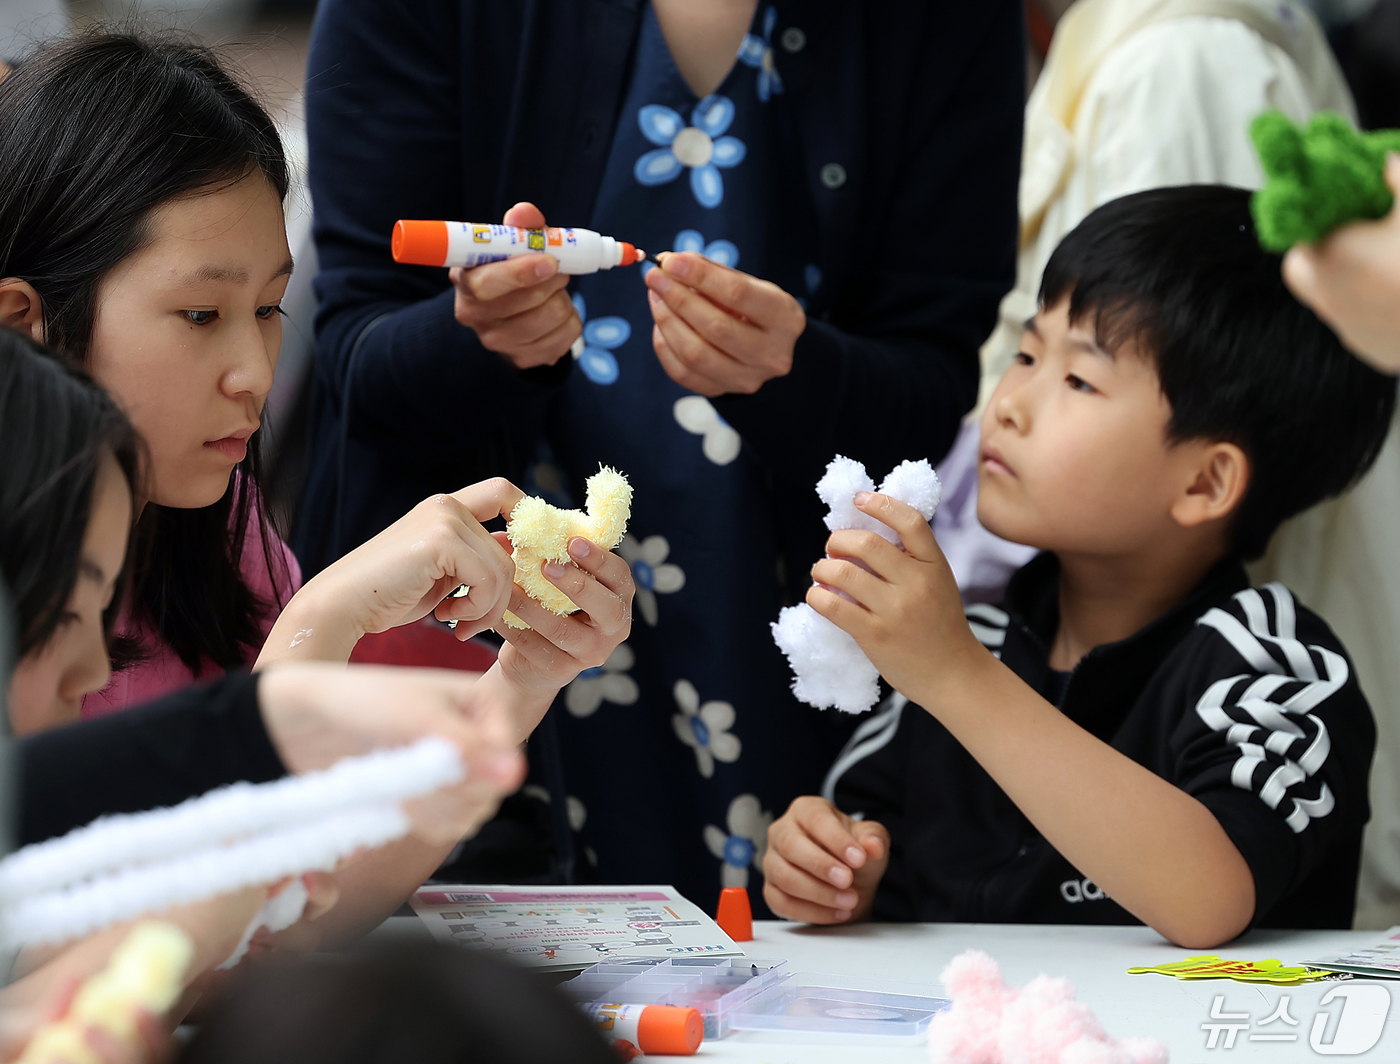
(72, 466)
(403, 1003)
(1172, 398)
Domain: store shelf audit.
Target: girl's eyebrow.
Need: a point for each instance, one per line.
(212, 274)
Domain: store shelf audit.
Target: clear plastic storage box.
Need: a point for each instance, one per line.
(744, 994)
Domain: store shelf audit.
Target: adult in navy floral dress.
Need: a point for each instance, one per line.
(862, 163)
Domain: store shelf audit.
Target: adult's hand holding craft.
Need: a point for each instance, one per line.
(518, 308)
(1351, 279)
(401, 575)
(719, 331)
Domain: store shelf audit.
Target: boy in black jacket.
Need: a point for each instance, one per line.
(1158, 741)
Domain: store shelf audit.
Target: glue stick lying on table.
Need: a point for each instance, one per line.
(469, 244)
(671, 1030)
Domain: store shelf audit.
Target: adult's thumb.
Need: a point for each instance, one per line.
(525, 214)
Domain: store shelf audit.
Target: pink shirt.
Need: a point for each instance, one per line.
(162, 671)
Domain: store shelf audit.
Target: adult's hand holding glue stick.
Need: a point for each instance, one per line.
(517, 306)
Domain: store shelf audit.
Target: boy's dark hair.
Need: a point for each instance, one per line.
(405, 1003)
(56, 425)
(96, 131)
(1180, 271)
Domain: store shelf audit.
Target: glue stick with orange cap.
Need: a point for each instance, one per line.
(669, 1030)
(431, 243)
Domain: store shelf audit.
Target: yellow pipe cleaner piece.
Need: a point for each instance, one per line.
(146, 971)
(1211, 966)
(540, 533)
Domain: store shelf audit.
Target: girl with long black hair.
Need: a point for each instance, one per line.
(142, 237)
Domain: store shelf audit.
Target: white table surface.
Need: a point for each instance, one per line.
(1093, 958)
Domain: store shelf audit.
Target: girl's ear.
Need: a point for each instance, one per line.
(1215, 492)
(21, 308)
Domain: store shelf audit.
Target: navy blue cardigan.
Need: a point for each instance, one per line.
(459, 108)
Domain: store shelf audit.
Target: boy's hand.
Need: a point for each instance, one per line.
(555, 649)
(822, 867)
(903, 608)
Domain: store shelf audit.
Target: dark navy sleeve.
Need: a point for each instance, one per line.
(144, 758)
(385, 137)
(888, 370)
(1277, 744)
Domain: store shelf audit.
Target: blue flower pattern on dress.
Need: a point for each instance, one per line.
(757, 52)
(699, 146)
(597, 360)
(812, 278)
(713, 765)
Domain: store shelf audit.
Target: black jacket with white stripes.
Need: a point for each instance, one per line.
(1241, 697)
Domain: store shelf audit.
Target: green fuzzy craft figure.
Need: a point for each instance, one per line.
(1319, 177)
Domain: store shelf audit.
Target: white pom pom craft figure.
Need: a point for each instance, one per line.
(829, 665)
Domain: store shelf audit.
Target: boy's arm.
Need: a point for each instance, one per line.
(1153, 848)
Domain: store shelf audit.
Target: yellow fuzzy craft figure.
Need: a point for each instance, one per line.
(540, 533)
(146, 972)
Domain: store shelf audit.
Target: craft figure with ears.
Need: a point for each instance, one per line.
(829, 667)
(540, 533)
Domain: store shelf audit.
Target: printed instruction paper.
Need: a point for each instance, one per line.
(572, 927)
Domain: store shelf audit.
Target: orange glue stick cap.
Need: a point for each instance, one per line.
(420, 243)
(630, 254)
(670, 1030)
(735, 917)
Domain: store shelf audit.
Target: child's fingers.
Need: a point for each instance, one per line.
(840, 574)
(801, 851)
(1300, 274)
(600, 609)
(873, 837)
(869, 548)
(535, 648)
(486, 499)
(322, 894)
(913, 530)
(800, 885)
(850, 617)
(612, 571)
(561, 632)
(790, 908)
(830, 827)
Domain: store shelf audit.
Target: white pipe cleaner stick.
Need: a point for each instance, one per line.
(829, 667)
(121, 867)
